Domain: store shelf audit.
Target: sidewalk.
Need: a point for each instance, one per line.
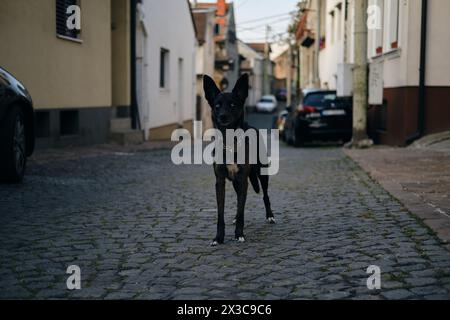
(77, 152)
(418, 176)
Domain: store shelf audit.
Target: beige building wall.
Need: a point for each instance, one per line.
(58, 73)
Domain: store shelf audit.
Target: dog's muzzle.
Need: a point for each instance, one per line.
(224, 120)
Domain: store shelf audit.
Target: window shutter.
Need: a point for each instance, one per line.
(61, 18)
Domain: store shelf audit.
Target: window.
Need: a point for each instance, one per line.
(392, 24)
(42, 124)
(164, 68)
(69, 123)
(61, 19)
(216, 29)
(376, 8)
(385, 37)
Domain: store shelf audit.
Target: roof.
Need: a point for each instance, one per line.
(192, 17)
(242, 47)
(211, 5)
(200, 19)
(258, 46)
(281, 56)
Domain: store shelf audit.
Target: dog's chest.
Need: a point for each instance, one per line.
(232, 170)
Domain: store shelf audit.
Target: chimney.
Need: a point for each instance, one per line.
(221, 8)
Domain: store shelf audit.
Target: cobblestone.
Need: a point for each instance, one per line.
(140, 227)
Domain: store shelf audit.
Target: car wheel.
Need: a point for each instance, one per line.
(13, 147)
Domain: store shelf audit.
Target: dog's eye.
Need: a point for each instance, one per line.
(217, 105)
(233, 105)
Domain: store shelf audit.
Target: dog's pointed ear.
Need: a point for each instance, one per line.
(241, 88)
(210, 88)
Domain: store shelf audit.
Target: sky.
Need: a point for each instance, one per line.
(274, 13)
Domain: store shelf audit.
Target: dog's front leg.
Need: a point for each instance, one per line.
(220, 196)
(240, 186)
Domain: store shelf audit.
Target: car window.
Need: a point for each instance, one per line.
(343, 102)
(266, 100)
(320, 99)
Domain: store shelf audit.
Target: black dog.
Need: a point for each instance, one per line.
(228, 113)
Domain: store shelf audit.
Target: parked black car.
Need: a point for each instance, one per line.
(16, 128)
(320, 115)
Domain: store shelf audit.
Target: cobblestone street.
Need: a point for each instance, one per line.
(140, 227)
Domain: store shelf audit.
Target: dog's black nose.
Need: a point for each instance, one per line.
(224, 119)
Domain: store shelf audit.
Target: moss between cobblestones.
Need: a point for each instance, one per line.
(430, 231)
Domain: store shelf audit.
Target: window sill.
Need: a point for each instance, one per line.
(76, 40)
(389, 55)
(393, 53)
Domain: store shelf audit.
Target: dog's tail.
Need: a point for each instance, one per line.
(254, 180)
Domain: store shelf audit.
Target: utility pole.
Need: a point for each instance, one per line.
(360, 138)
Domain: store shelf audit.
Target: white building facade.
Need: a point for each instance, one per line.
(166, 74)
(253, 65)
(408, 50)
(205, 57)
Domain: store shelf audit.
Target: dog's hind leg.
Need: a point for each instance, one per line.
(220, 196)
(265, 186)
(241, 187)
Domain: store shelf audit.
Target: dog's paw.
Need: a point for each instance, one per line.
(214, 243)
(271, 220)
(240, 239)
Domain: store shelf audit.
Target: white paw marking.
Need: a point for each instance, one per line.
(271, 220)
(240, 239)
(214, 243)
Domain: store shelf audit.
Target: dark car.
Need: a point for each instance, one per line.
(320, 115)
(281, 95)
(16, 128)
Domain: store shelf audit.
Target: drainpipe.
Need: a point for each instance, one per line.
(422, 85)
(134, 111)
